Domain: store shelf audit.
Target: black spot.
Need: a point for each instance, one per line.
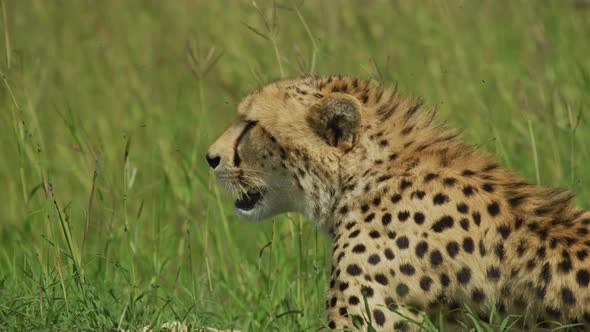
(504, 230)
(396, 198)
(402, 290)
(436, 257)
(430, 176)
(478, 295)
(390, 303)
(488, 187)
(332, 325)
(344, 210)
(468, 172)
(350, 225)
(354, 270)
(545, 274)
(499, 251)
(407, 130)
(493, 273)
(464, 275)
(464, 224)
(493, 209)
(343, 312)
(421, 249)
(531, 264)
(533, 226)
(442, 224)
(370, 217)
(449, 181)
(476, 218)
(392, 272)
(400, 326)
(468, 245)
(425, 283)
(383, 178)
(404, 184)
(482, 248)
(541, 291)
(403, 216)
(381, 278)
(343, 286)
(419, 218)
(357, 320)
(516, 201)
(518, 223)
(359, 248)
(567, 296)
(353, 300)
(468, 191)
(419, 194)
(374, 234)
(541, 252)
(569, 241)
(565, 265)
(581, 254)
(354, 234)
(583, 278)
(379, 317)
(374, 259)
(333, 302)
(403, 242)
(391, 235)
(521, 249)
(453, 248)
(388, 254)
(407, 269)
(367, 291)
(440, 199)
(462, 207)
(364, 208)
(386, 219)
(377, 201)
(444, 280)
(553, 312)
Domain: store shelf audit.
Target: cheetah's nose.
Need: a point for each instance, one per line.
(213, 161)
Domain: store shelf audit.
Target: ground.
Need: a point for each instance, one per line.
(110, 88)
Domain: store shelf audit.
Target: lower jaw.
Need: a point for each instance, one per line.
(253, 214)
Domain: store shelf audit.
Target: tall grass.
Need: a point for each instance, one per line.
(110, 217)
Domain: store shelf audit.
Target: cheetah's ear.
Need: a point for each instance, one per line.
(336, 119)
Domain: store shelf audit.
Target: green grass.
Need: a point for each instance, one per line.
(109, 214)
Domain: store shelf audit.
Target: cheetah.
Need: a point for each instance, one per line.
(421, 223)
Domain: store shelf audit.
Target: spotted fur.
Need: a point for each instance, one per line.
(420, 222)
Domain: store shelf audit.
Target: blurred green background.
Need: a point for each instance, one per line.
(109, 215)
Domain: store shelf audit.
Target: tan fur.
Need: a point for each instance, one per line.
(418, 218)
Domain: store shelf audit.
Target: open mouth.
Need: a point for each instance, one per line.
(247, 201)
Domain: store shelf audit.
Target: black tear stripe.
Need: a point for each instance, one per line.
(249, 125)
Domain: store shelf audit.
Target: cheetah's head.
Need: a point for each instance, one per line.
(283, 152)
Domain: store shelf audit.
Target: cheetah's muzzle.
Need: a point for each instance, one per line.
(247, 201)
